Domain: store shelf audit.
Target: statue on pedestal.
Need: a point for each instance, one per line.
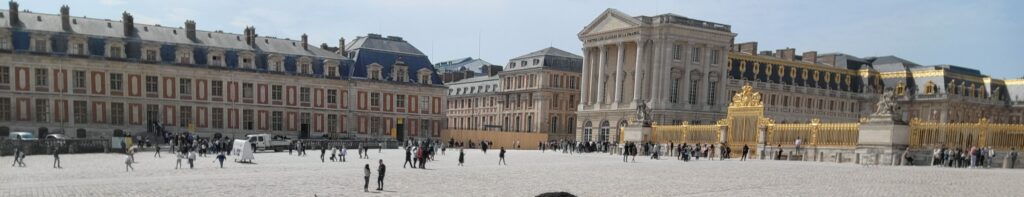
(886, 105)
(643, 114)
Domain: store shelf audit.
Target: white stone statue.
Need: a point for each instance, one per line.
(886, 103)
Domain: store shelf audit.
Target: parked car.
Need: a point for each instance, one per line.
(268, 142)
(56, 136)
(21, 136)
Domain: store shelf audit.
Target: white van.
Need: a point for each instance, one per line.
(21, 136)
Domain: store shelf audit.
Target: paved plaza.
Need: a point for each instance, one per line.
(528, 173)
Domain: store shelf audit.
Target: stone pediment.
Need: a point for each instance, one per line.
(609, 20)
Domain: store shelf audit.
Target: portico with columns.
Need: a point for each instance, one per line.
(656, 60)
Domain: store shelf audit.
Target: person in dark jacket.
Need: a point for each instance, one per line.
(462, 157)
(380, 176)
(408, 158)
(745, 150)
(501, 156)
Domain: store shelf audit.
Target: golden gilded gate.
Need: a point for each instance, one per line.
(745, 124)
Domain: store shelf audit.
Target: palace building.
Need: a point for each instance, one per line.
(686, 71)
(91, 77)
(535, 93)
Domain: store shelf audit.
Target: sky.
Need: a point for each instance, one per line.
(976, 34)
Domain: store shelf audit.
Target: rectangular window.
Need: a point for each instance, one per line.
(247, 90)
(332, 71)
(40, 45)
(277, 121)
(673, 91)
(217, 88)
(42, 110)
(247, 120)
(186, 116)
(41, 77)
(217, 118)
(554, 101)
(5, 109)
(78, 49)
(275, 92)
(424, 127)
(115, 81)
(81, 115)
(695, 54)
(424, 103)
(151, 55)
(332, 96)
(714, 56)
(400, 101)
(304, 94)
(375, 125)
(332, 123)
(304, 121)
(785, 101)
(5, 43)
(115, 52)
(5, 75)
(375, 99)
(185, 85)
(117, 113)
(151, 84)
(796, 102)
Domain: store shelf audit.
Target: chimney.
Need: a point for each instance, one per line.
(341, 46)
(250, 36)
(14, 13)
(190, 29)
(65, 18)
(305, 42)
(748, 48)
(810, 57)
(323, 46)
(786, 54)
(129, 24)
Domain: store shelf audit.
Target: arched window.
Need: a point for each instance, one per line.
(929, 89)
(571, 124)
(518, 124)
(554, 124)
(603, 135)
(587, 130)
(900, 88)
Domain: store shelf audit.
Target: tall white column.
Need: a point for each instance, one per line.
(657, 66)
(602, 60)
(618, 72)
(637, 91)
(585, 78)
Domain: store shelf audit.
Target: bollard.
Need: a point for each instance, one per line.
(789, 156)
(803, 156)
(821, 157)
(839, 157)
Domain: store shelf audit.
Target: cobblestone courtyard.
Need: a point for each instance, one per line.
(528, 173)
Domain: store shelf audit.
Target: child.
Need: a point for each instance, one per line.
(221, 157)
(128, 163)
(462, 157)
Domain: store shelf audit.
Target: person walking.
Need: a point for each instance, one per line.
(343, 152)
(191, 159)
(501, 156)
(157, 153)
(16, 157)
(360, 148)
(323, 151)
(462, 157)
(128, 163)
(221, 157)
(366, 178)
(180, 156)
(380, 175)
(746, 149)
(56, 157)
(408, 158)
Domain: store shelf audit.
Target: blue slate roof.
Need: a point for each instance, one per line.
(371, 49)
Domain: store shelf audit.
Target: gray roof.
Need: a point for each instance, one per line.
(892, 63)
(156, 33)
(550, 51)
(389, 44)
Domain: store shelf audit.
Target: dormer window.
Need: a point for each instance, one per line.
(523, 63)
(276, 63)
(424, 75)
(184, 55)
(77, 46)
(247, 60)
(373, 71)
(305, 67)
(40, 45)
(151, 55)
(5, 40)
(215, 57)
(536, 62)
(332, 71)
(900, 89)
(929, 89)
(115, 48)
(511, 65)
